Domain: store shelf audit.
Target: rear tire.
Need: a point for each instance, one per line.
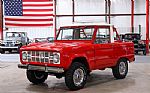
(144, 52)
(2, 51)
(136, 52)
(36, 77)
(10, 51)
(121, 69)
(76, 76)
(18, 50)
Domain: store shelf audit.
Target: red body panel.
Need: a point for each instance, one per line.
(98, 56)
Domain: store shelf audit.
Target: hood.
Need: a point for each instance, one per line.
(55, 46)
(11, 39)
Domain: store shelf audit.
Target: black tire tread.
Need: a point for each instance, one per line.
(31, 77)
(69, 76)
(115, 70)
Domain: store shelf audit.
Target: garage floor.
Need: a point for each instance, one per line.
(13, 80)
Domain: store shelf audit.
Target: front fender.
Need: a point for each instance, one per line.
(75, 56)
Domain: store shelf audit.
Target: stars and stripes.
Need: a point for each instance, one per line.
(28, 13)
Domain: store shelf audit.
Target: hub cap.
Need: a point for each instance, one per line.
(78, 76)
(122, 68)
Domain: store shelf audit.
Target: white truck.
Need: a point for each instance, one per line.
(13, 41)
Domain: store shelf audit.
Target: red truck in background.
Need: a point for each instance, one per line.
(77, 50)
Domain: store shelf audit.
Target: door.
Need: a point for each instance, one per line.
(103, 48)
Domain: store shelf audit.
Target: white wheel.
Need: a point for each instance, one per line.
(75, 77)
(121, 69)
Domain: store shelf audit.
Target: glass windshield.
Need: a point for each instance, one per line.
(132, 36)
(14, 34)
(75, 34)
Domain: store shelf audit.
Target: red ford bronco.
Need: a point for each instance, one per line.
(77, 50)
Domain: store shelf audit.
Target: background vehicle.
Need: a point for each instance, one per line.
(36, 40)
(139, 45)
(122, 36)
(13, 41)
(50, 39)
(92, 46)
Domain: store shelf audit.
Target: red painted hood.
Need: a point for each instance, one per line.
(56, 46)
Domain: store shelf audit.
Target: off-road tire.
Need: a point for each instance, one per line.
(18, 50)
(10, 51)
(136, 52)
(2, 51)
(70, 75)
(36, 77)
(144, 52)
(117, 73)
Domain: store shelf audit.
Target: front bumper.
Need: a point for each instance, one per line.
(139, 49)
(41, 68)
(4, 47)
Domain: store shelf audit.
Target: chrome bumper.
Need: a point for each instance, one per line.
(15, 47)
(41, 68)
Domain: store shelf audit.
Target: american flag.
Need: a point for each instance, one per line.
(28, 13)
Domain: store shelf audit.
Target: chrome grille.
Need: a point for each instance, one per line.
(9, 44)
(39, 56)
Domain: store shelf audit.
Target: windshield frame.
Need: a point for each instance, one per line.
(15, 34)
(76, 27)
(132, 36)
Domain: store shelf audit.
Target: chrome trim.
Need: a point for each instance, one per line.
(122, 68)
(8, 47)
(41, 57)
(78, 76)
(23, 66)
(41, 68)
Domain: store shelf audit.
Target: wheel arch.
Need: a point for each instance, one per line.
(124, 58)
(83, 60)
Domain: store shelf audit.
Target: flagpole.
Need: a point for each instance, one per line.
(55, 20)
(1, 19)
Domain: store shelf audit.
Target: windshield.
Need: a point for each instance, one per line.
(132, 36)
(75, 34)
(14, 34)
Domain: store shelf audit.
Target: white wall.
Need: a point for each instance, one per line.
(123, 23)
(34, 32)
(81, 7)
(89, 7)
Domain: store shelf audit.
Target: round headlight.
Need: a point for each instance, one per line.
(17, 41)
(24, 56)
(56, 58)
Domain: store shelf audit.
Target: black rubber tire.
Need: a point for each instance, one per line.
(31, 76)
(116, 72)
(69, 76)
(10, 51)
(18, 50)
(136, 52)
(144, 52)
(2, 51)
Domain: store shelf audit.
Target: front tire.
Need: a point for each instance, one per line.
(10, 51)
(144, 52)
(2, 51)
(121, 69)
(76, 76)
(18, 50)
(36, 77)
(136, 52)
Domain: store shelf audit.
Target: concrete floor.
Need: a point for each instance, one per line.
(13, 80)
